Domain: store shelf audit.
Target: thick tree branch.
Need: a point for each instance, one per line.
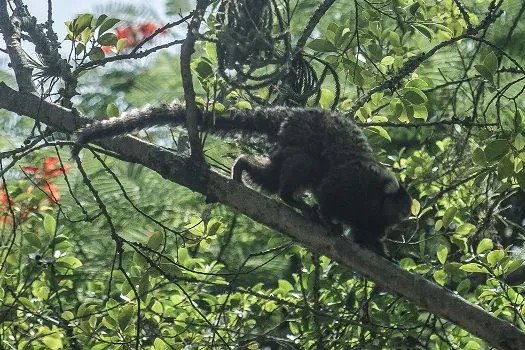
(280, 217)
(10, 28)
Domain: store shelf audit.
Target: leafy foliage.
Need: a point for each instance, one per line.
(110, 255)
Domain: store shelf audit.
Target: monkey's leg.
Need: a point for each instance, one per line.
(371, 238)
(263, 171)
(299, 171)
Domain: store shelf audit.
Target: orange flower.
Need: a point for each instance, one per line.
(50, 168)
(147, 28)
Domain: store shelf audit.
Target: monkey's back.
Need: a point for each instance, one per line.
(324, 135)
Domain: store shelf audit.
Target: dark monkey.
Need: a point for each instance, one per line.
(317, 150)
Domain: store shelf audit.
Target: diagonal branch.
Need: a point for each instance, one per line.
(282, 218)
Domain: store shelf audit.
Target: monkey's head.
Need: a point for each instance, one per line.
(396, 203)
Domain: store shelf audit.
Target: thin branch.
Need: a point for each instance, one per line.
(312, 23)
(187, 49)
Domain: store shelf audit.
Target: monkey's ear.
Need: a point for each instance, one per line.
(392, 186)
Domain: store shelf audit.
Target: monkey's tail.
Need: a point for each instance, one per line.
(260, 120)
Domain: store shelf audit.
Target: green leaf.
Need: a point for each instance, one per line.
(32, 239)
(440, 277)
(465, 229)
(112, 110)
(484, 245)
(86, 35)
(203, 68)
(414, 95)
(156, 240)
(474, 267)
(426, 31)
(463, 286)
(491, 63)
(449, 215)
(70, 262)
(381, 132)
(100, 20)
(442, 253)
(512, 266)
(484, 72)
(478, 156)
(505, 168)
(460, 242)
(519, 142)
(108, 39)
(139, 260)
(121, 44)
(415, 207)
(50, 224)
(81, 22)
(321, 45)
(422, 268)
(495, 256)
(159, 344)
(407, 264)
(53, 341)
(67, 315)
(327, 98)
(215, 227)
(420, 112)
(388, 60)
(417, 83)
(496, 150)
(520, 178)
(284, 286)
(79, 48)
(108, 24)
(124, 316)
(96, 53)
(243, 105)
(472, 345)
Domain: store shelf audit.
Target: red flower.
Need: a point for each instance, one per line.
(5, 216)
(106, 49)
(147, 28)
(127, 32)
(50, 170)
(32, 170)
(3, 198)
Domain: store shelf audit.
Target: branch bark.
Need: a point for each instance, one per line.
(186, 50)
(278, 216)
(10, 28)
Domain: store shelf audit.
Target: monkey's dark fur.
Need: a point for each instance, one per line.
(317, 150)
